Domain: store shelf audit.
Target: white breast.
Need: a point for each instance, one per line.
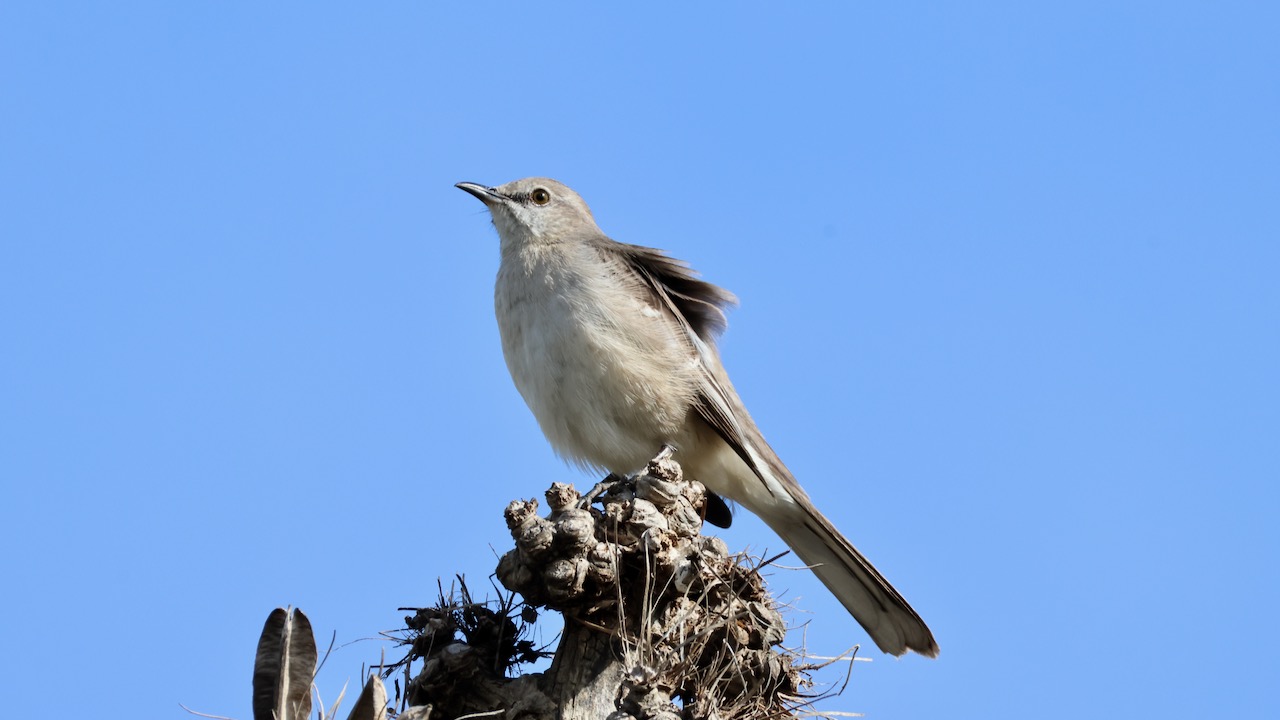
(607, 377)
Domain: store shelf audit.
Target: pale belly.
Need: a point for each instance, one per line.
(608, 390)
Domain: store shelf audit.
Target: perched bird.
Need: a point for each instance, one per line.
(613, 348)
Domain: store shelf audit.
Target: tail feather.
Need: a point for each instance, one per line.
(744, 468)
(866, 594)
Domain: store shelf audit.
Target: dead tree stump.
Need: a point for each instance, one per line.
(660, 622)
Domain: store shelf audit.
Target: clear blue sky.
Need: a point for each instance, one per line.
(1010, 311)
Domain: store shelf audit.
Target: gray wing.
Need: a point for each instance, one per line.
(696, 303)
(699, 308)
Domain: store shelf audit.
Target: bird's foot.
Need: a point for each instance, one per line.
(608, 483)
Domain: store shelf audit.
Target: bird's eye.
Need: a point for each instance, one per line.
(539, 196)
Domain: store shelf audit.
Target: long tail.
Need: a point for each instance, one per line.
(866, 594)
(744, 468)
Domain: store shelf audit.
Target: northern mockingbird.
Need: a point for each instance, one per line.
(613, 348)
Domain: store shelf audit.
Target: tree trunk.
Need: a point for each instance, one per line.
(585, 678)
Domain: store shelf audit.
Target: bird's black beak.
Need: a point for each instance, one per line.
(486, 195)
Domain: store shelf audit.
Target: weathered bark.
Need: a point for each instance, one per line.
(660, 622)
(586, 675)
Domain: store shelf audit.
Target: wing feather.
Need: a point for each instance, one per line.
(699, 307)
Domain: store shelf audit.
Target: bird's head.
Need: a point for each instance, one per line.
(535, 210)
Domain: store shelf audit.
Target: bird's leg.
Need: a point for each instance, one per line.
(667, 451)
(612, 479)
(662, 465)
